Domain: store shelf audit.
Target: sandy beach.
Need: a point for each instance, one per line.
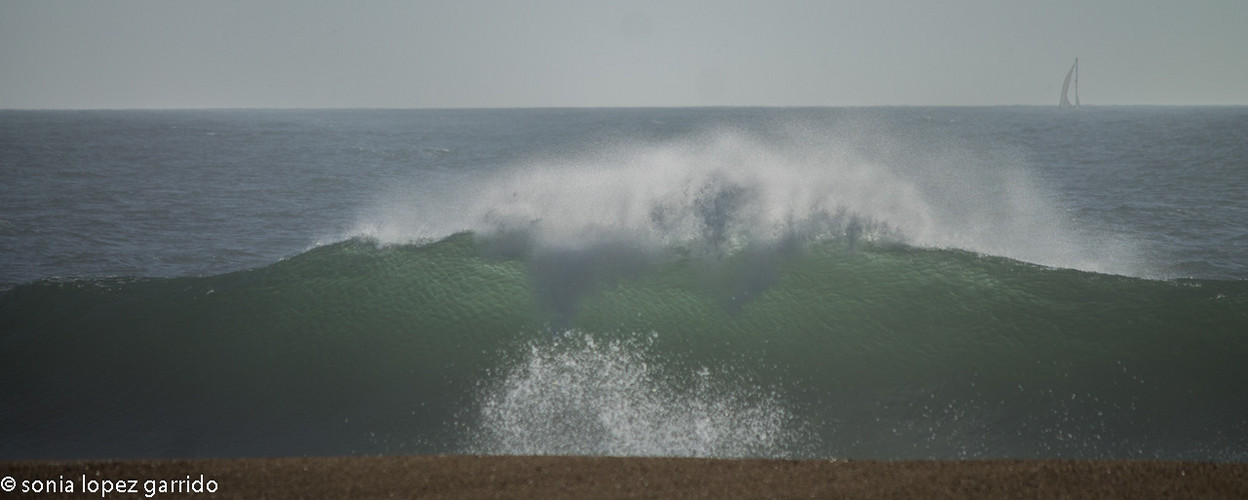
(607, 477)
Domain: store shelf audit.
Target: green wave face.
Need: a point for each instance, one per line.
(478, 344)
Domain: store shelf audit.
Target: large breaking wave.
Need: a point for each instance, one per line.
(731, 294)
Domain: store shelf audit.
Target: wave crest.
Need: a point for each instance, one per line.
(729, 189)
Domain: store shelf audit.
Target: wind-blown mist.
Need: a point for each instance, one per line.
(729, 189)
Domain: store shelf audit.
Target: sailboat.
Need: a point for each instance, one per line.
(1074, 71)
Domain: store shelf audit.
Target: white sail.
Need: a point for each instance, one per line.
(1074, 72)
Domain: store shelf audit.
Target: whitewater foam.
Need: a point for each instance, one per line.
(578, 396)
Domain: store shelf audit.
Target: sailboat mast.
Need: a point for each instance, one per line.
(1077, 105)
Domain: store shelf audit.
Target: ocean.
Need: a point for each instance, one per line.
(862, 283)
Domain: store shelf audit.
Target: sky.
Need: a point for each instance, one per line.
(88, 54)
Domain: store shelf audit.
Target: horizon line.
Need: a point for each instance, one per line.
(502, 108)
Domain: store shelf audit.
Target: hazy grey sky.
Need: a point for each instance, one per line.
(464, 53)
